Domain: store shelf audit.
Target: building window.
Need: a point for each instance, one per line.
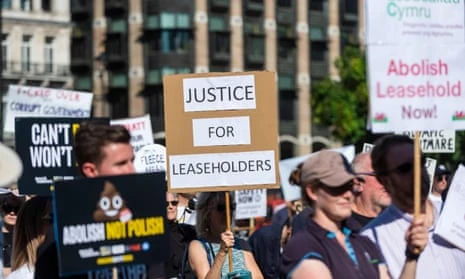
(6, 4)
(26, 5)
(174, 41)
(5, 52)
(217, 23)
(26, 53)
(48, 54)
(318, 51)
(46, 6)
(316, 5)
(222, 43)
(284, 3)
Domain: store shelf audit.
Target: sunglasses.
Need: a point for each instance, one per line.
(441, 177)
(403, 168)
(338, 191)
(221, 207)
(8, 208)
(172, 203)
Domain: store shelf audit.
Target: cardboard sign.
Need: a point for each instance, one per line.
(45, 146)
(250, 203)
(416, 87)
(28, 101)
(140, 129)
(421, 22)
(286, 166)
(150, 158)
(119, 220)
(439, 141)
(451, 225)
(221, 131)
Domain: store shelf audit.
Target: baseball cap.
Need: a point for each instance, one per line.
(329, 167)
(11, 166)
(442, 169)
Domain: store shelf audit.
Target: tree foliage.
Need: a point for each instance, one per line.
(343, 105)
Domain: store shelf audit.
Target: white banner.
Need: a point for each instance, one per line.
(416, 88)
(150, 158)
(140, 129)
(286, 166)
(439, 141)
(406, 21)
(450, 224)
(28, 101)
(250, 203)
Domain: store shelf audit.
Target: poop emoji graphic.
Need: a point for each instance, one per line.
(111, 206)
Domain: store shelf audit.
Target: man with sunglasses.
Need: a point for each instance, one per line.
(372, 197)
(392, 160)
(440, 185)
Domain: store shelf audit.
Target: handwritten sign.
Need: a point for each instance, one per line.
(250, 203)
(439, 141)
(140, 129)
(28, 101)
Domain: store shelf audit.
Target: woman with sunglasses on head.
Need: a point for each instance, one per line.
(11, 204)
(328, 247)
(33, 220)
(208, 256)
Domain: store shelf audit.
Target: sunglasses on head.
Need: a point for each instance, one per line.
(173, 203)
(221, 207)
(8, 208)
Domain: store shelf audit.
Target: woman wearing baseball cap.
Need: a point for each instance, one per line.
(328, 248)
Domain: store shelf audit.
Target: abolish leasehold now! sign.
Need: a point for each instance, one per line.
(221, 131)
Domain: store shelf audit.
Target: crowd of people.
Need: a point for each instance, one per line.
(355, 220)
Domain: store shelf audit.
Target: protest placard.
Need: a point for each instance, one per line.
(416, 87)
(438, 141)
(451, 225)
(150, 158)
(250, 203)
(29, 101)
(140, 129)
(221, 131)
(419, 22)
(118, 220)
(45, 145)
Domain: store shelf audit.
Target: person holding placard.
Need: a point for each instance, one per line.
(101, 150)
(328, 247)
(208, 254)
(393, 162)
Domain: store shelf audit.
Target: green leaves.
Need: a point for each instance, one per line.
(343, 105)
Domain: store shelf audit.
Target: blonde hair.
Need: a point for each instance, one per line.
(29, 231)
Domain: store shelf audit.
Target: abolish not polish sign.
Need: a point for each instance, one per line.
(224, 132)
(416, 87)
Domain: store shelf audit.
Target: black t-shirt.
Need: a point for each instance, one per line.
(6, 249)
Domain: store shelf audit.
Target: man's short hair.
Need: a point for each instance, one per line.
(91, 137)
(381, 148)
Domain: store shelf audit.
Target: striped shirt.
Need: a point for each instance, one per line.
(438, 260)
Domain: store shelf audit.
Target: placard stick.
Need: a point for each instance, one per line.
(417, 176)
(252, 226)
(115, 273)
(228, 228)
(416, 180)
